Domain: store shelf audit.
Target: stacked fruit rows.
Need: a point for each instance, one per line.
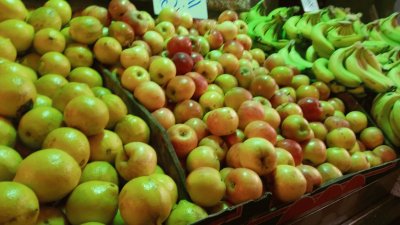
(219, 123)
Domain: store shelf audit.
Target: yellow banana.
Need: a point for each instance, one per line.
(374, 81)
(321, 71)
(380, 112)
(371, 59)
(307, 22)
(290, 27)
(343, 35)
(321, 44)
(342, 75)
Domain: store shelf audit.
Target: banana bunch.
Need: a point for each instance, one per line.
(385, 30)
(353, 69)
(394, 75)
(299, 26)
(385, 111)
(293, 57)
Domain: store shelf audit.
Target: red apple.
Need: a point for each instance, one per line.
(259, 155)
(293, 147)
(199, 126)
(385, 152)
(263, 86)
(289, 108)
(196, 57)
(214, 38)
(234, 138)
(312, 175)
(222, 121)
(273, 61)
(200, 82)
(234, 47)
(227, 15)
(183, 139)
(186, 110)
(137, 20)
(236, 96)
(311, 108)
(164, 116)
(243, 185)
(117, 8)
(297, 128)
(183, 63)
(260, 128)
(180, 88)
(250, 111)
(179, 44)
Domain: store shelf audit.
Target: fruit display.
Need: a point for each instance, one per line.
(109, 115)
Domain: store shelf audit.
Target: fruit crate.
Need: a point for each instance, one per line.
(330, 192)
(168, 159)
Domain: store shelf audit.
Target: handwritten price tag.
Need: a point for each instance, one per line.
(310, 5)
(196, 8)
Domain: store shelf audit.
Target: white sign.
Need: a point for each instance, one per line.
(196, 8)
(310, 5)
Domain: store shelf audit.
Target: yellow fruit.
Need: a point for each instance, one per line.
(107, 50)
(54, 62)
(168, 183)
(15, 92)
(18, 69)
(63, 9)
(51, 173)
(31, 60)
(19, 32)
(36, 124)
(92, 201)
(65, 33)
(100, 91)
(8, 50)
(133, 76)
(144, 201)
(105, 146)
(12, 9)
(42, 100)
(8, 133)
(100, 171)
(70, 140)
(86, 113)
(18, 204)
(132, 128)
(48, 40)
(69, 91)
(86, 75)
(85, 29)
(44, 17)
(50, 84)
(116, 109)
(9, 162)
(51, 216)
(79, 55)
(185, 212)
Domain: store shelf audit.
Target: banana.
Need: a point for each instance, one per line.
(321, 44)
(394, 75)
(390, 28)
(336, 88)
(326, 14)
(290, 27)
(321, 71)
(371, 59)
(380, 112)
(358, 91)
(376, 47)
(295, 56)
(311, 54)
(271, 36)
(375, 81)
(336, 66)
(254, 26)
(284, 53)
(394, 119)
(307, 22)
(376, 34)
(255, 12)
(342, 35)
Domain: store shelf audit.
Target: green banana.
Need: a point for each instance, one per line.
(255, 25)
(376, 34)
(376, 47)
(326, 15)
(295, 56)
(284, 53)
(307, 22)
(372, 80)
(290, 27)
(321, 44)
(389, 27)
(394, 119)
(336, 66)
(342, 34)
(321, 71)
(380, 112)
(271, 35)
(394, 75)
(311, 54)
(255, 12)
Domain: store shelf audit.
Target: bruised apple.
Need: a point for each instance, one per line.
(242, 185)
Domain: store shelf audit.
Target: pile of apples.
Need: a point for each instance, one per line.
(241, 122)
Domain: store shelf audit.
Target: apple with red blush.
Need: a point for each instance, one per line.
(312, 109)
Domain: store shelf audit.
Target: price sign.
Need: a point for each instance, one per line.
(196, 8)
(310, 5)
